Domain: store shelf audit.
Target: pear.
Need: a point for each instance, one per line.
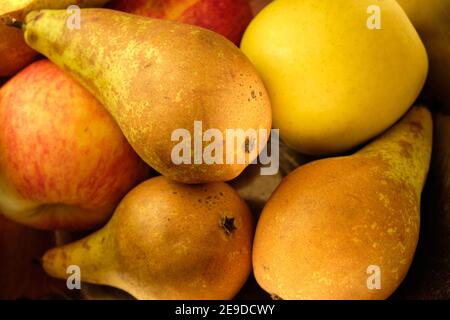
(436, 272)
(167, 240)
(13, 49)
(347, 227)
(430, 276)
(157, 78)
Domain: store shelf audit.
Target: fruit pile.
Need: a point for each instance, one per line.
(140, 147)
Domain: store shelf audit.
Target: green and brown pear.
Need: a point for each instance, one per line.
(156, 77)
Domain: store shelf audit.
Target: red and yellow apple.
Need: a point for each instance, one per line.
(21, 275)
(230, 18)
(64, 163)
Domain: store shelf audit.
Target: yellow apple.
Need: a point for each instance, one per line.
(338, 72)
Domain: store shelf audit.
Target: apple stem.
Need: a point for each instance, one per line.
(13, 22)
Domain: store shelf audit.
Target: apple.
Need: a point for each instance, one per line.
(21, 275)
(230, 18)
(64, 163)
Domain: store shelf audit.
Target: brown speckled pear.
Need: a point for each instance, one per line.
(167, 240)
(155, 76)
(332, 223)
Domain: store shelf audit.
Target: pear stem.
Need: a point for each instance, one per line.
(13, 22)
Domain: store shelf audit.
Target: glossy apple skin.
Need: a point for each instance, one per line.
(230, 18)
(64, 163)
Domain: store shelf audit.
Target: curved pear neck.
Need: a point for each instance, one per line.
(406, 147)
(94, 256)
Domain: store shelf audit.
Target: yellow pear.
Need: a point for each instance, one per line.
(347, 227)
(159, 78)
(338, 72)
(432, 20)
(167, 240)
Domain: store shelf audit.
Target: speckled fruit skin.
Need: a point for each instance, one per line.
(167, 240)
(13, 49)
(331, 219)
(64, 163)
(230, 18)
(157, 76)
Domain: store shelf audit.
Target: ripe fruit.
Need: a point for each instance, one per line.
(333, 226)
(227, 17)
(334, 82)
(64, 164)
(154, 87)
(167, 240)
